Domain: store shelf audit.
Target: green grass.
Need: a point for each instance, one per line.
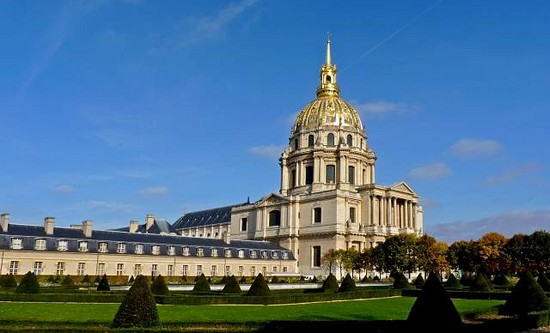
(371, 309)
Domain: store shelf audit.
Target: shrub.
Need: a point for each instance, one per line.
(67, 281)
(201, 284)
(348, 284)
(184, 279)
(275, 279)
(452, 282)
(159, 287)
(243, 279)
(330, 283)
(481, 283)
(259, 287)
(314, 280)
(103, 284)
(467, 279)
(28, 285)
(526, 296)
(433, 310)
(231, 286)
(502, 281)
(419, 281)
(543, 281)
(97, 279)
(8, 281)
(138, 308)
(131, 280)
(85, 279)
(401, 282)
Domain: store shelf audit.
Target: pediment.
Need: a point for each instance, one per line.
(271, 199)
(402, 187)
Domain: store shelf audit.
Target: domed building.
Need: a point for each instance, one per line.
(328, 197)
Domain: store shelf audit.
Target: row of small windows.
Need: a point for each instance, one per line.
(330, 141)
(137, 269)
(330, 174)
(62, 245)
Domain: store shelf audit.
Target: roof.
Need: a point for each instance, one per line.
(158, 227)
(212, 216)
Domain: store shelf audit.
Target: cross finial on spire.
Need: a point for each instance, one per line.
(328, 49)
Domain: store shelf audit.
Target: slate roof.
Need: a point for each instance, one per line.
(158, 227)
(206, 217)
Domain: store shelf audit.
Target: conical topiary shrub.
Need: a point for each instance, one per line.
(103, 284)
(330, 283)
(481, 283)
(28, 285)
(8, 281)
(526, 296)
(231, 286)
(138, 309)
(85, 279)
(452, 282)
(544, 282)
(401, 282)
(502, 281)
(258, 287)
(433, 310)
(183, 279)
(159, 286)
(201, 284)
(348, 284)
(419, 281)
(67, 281)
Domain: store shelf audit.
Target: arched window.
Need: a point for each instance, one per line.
(296, 144)
(331, 173)
(330, 139)
(310, 141)
(349, 140)
(328, 78)
(274, 218)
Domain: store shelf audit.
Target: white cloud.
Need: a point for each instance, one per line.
(466, 148)
(430, 172)
(270, 151)
(63, 189)
(512, 175)
(507, 224)
(157, 191)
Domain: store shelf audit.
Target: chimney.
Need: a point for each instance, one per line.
(48, 225)
(4, 221)
(87, 228)
(133, 227)
(149, 221)
(226, 237)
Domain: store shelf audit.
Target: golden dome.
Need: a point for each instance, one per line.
(328, 109)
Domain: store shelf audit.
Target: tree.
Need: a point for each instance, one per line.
(201, 284)
(348, 284)
(28, 285)
(159, 287)
(543, 281)
(491, 253)
(330, 259)
(526, 296)
(8, 281)
(231, 286)
(138, 308)
(330, 283)
(103, 284)
(481, 283)
(258, 287)
(433, 310)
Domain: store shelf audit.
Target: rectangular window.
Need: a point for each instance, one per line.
(100, 268)
(138, 249)
(119, 268)
(83, 246)
(185, 251)
(331, 173)
(285, 269)
(60, 268)
(121, 248)
(170, 271)
(351, 174)
(200, 252)
(244, 224)
(16, 243)
(316, 256)
(252, 254)
(37, 267)
(137, 269)
(285, 255)
(293, 178)
(171, 250)
(155, 249)
(309, 174)
(80, 268)
(214, 270)
(352, 214)
(227, 270)
(253, 271)
(154, 269)
(199, 270)
(317, 215)
(274, 270)
(185, 270)
(274, 255)
(62, 245)
(213, 252)
(240, 253)
(227, 253)
(264, 254)
(40, 244)
(14, 266)
(264, 271)
(241, 270)
(102, 247)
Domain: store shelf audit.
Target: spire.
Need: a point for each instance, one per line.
(328, 85)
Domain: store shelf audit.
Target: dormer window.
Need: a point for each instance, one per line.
(214, 252)
(40, 244)
(16, 243)
(171, 250)
(83, 246)
(240, 253)
(252, 254)
(227, 253)
(200, 252)
(274, 255)
(102, 247)
(62, 245)
(121, 248)
(185, 251)
(138, 249)
(155, 249)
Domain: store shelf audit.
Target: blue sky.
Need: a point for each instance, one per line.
(111, 110)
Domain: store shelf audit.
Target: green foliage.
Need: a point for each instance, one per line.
(348, 284)
(224, 279)
(159, 286)
(67, 281)
(400, 281)
(201, 284)
(85, 279)
(452, 282)
(433, 310)
(243, 279)
(97, 279)
(28, 285)
(275, 279)
(481, 283)
(419, 281)
(544, 282)
(330, 283)
(103, 284)
(259, 287)
(51, 279)
(526, 296)
(138, 309)
(502, 281)
(131, 280)
(184, 279)
(8, 281)
(231, 286)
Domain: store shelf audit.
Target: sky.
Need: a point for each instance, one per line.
(114, 109)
